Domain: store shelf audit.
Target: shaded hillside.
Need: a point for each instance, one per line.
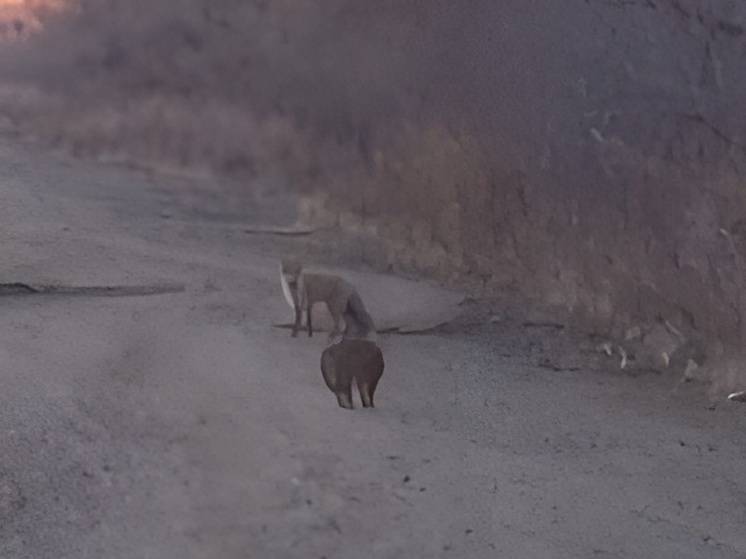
(583, 153)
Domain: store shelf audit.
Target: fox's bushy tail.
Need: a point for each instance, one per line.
(363, 326)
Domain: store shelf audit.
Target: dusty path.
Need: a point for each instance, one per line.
(184, 426)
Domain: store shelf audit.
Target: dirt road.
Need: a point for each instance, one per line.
(183, 425)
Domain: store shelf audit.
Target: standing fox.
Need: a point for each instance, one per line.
(302, 290)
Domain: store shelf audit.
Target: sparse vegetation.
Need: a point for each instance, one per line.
(591, 165)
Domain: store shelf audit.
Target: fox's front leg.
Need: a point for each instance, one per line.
(296, 324)
(308, 316)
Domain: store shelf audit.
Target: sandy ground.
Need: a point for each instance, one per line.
(185, 426)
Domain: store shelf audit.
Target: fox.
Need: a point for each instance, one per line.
(348, 360)
(303, 289)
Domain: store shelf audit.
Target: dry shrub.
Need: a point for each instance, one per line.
(585, 155)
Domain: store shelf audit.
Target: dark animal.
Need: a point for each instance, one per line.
(348, 360)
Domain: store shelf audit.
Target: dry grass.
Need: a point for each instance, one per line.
(520, 158)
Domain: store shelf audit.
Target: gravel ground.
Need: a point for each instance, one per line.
(184, 426)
